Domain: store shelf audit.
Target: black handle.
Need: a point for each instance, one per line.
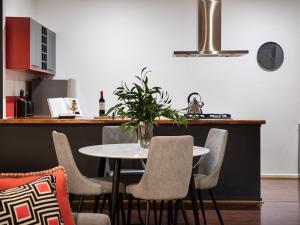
(194, 93)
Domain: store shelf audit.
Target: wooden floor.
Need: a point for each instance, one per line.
(280, 207)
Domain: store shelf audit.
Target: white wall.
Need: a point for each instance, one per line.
(13, 80)
(102, 42)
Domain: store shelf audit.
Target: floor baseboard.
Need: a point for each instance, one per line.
(224, 205)
(280, 176)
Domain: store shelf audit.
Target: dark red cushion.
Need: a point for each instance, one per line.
(32, 203)
(10, 180)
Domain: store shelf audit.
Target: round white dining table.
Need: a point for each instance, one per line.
(126, 151)
(133, 151)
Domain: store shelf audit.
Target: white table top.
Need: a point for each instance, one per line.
(127, 151)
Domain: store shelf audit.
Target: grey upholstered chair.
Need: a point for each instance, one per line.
(114, 135)
(167, 173)
(208, 169)
(91, 219)
(130, 168)
(77, 183)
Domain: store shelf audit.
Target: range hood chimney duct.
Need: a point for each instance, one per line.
(209, 33)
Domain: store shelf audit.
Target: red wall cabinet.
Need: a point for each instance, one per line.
(30, 46)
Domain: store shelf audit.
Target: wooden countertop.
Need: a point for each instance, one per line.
(47, 120)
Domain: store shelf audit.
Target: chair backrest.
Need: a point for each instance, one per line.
(114, 135)
(210, 164)
(65, 158)
(168, 169)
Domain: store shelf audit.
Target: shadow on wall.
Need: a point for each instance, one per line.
(299, 154)
(299, 162)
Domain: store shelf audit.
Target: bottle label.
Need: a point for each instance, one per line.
(101, 105)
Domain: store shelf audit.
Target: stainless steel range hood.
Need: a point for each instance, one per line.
(209, 33)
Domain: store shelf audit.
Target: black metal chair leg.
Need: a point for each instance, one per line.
(71, 198)
(118, 213)
(155, 212)
(147, 217)
(110, 205)
(129, 209)
(139, 211)
(186, 220)
(176, 212)
(201, 205)
(193, 196)
(80, 203)
(103, 203)
(161, 211)
(216, 206)
(96, 203)
(122, 210)
(170, 212)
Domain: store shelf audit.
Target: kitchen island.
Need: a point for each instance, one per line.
(26, 145)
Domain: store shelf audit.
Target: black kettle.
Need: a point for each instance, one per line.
(195, 106)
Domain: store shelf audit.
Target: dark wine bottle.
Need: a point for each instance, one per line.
(101, 105)
(21, 106)
(29, 108)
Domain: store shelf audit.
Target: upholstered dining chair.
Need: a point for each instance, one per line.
(91, 219)
(167, 173)
(77, 183)
(207, 171)
(114, 135)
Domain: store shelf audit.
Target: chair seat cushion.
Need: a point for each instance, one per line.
(91, 219)
(106, 184)
(131, 189)
(139, 192)
(203, 182)
(11, 180)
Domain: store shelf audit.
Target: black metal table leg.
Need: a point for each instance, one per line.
(115, 190)
(194, 200)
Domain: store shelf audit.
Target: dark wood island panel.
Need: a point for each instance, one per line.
(26, 145)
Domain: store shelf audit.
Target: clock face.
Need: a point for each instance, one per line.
(270, 56)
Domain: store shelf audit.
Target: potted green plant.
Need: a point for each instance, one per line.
(142, 105)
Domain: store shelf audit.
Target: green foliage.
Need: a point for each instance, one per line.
(141, 103)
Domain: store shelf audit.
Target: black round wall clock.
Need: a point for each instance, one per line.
(270, 56)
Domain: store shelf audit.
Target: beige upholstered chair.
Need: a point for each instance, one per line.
(209, 166)
(167, 173)
(114, 135)
(77, 183)
(91, 219)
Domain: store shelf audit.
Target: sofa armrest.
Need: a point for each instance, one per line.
(91, 219)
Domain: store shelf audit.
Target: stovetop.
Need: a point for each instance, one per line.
(207, 116)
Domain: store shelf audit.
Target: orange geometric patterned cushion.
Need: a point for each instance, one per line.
(31, 203)
(11, 180)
